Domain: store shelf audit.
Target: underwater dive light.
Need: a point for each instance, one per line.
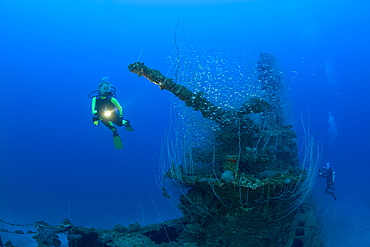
(107, 113)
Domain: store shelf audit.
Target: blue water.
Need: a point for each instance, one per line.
(55, 164)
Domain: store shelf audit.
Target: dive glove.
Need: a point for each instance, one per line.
(95, 120)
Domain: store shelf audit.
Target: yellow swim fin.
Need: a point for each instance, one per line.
(117, 141)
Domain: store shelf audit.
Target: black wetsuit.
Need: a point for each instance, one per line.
(329, 174)
(105, 104)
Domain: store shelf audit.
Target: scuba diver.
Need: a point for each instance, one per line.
(108, 110)
(328, 173)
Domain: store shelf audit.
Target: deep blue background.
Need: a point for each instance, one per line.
(53, 53)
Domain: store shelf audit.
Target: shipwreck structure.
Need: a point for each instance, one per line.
(251, 190)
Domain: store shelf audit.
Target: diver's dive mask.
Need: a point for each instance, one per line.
(105, 88)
